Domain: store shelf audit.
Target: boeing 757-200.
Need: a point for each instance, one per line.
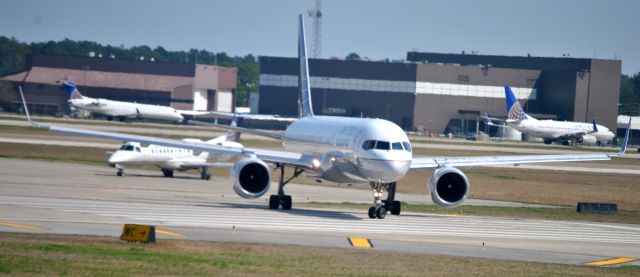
(341, 150)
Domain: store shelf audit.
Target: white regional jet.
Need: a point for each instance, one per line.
(169, 159)
(123, 110)
(566, 132)
(342, 150)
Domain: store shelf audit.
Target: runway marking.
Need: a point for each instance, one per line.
(613, 261)
(360, 242)
(20, 226)
(164, 232)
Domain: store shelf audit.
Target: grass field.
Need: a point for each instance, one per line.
(61, 255)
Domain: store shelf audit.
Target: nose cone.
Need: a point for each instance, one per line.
(119, 157)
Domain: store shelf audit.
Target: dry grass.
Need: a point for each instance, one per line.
(51, 255)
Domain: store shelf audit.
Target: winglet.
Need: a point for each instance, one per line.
(595, 127)
(623, 148)
(233, 134)
(26, 110)
(304, 86)
(24, 104)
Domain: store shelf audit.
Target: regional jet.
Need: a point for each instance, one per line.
(565, 132)
(169, 159)
(341, 150)
(124, 110)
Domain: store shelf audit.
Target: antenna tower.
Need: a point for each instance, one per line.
(316, 14)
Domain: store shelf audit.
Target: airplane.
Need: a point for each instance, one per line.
(123, 110)
(341, 150)
(169, 159)
(566, 132)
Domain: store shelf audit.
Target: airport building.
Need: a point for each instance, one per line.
(180, 85)
(441, 93)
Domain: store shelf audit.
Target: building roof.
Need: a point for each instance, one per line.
(528, 62)
(52, 76)
(111, 65)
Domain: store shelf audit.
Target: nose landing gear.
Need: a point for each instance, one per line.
(380, 207)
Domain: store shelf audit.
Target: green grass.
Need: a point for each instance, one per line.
(561, 213)
(65, 255)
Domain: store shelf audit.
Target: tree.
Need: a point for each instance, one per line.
(353, 57)
(629, 95)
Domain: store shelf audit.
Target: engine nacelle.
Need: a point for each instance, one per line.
(251, 177)
(448, 186)
(587, 140)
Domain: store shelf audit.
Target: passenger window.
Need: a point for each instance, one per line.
(407, 146)
(396, 146)
(382, 145)
(368, 144)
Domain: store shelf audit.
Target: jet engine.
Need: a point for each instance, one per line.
(448, 186)
(251, 177)
(587, 140)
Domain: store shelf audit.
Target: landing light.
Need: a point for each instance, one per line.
(315, 163)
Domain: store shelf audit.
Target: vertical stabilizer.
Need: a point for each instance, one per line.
(72, 90)
(303, 80)
(514, 110)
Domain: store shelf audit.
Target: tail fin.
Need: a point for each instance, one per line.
(72, 90)
(623, 148)
(303, 80)
(514, 110)
(233, 135)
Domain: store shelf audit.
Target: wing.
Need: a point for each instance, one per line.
(274, 156)
(433, 162)
(239, 129)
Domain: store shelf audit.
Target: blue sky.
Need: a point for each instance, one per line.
(373, 28)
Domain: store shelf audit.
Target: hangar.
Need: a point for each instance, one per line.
(180, 85)
(446, 92)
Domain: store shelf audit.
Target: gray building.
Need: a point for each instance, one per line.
(445, 93)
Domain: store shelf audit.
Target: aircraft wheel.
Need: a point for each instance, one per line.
(120, 173)
(274, 202)
(381, 213)
(372, 212)
(286, 202)
(394, 208)
(205, 176)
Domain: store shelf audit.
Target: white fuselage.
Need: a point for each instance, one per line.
(352, 149)
(133, 153)
(551, 129)
(126, 109)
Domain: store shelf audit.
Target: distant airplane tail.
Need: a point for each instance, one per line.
(514, 110)
(72, 90)
(232, 134)
(304, 86)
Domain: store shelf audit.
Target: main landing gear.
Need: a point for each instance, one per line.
(381, 207)
(204, 174)
(281, 199)
(120, 172)
(167, 173)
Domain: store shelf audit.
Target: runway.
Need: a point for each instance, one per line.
(45, 197)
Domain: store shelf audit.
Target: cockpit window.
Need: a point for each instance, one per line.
(396, 146)
(407, 146)
(127, 147)
(382, 145)
(368, 144)
(138, 149)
